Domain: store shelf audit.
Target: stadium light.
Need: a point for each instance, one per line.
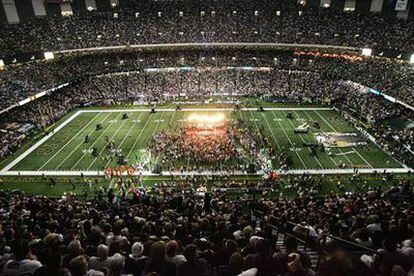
(412, 58)
(366, 52)
(49, 55)
(2, 65)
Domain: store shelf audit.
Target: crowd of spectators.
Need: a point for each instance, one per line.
(223, 147)
(187, 232)
(287, 78)
(22, 81)
(210, 21)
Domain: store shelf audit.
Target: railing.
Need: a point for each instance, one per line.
(214, 45)
(318, 245)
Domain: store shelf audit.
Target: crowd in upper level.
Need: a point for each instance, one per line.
(189, 22)
(19, 82)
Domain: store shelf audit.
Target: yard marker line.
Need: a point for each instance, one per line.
(328, 124)
(156, 128)
(271, 131)
(112, 137)
(139, 136)
(39, 143)
(330, 157)
(70, 154)
(142, 130)
(258, 129)
(94, 143)
(356, 151)
(303, 140)
(50, 159)
(129, 131)
(206, 173)
(290, 141)
(209, 109)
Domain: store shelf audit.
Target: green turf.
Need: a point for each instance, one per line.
(67, 151)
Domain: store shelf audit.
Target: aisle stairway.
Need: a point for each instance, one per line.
(313, 255)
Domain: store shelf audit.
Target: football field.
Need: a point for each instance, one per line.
(64, 150)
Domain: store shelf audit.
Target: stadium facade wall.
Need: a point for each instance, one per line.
(406, 13)
(39, 7)
(90, 3)
(10, 10)
(376, 6)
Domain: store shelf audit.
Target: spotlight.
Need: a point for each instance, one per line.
(411, 59)
(49, 55)
(366, 52)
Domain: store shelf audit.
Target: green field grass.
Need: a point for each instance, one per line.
(67, 151)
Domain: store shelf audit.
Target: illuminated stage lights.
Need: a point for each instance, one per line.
(366, 52)
(49, 55)
(207, 121)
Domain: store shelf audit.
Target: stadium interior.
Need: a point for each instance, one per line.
(222, 138)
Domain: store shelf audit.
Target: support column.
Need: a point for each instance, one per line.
(66, 9)
(402, 7)
(376, 5)
(39, 7)
(90, 4)
(10, 10)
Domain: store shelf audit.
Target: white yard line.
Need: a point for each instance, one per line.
(303, 140)
(330, 157)
(63, 161)
(51, 158)
(254, 121)
(96, 140)
(356, 151)
(7, 169)
(39, 143)
(346, 157)
(138, 120)
(112, 137)
(271, 131)
(293, 147)
(142, 130)
(208, 109)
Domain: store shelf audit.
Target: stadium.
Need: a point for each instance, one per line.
(187, 137)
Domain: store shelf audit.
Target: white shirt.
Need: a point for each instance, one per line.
(20, 268)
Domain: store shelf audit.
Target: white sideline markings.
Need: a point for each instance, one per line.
(356, 151)
(190, 173)
(39, 143)
(7, 169)
(67, 143)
